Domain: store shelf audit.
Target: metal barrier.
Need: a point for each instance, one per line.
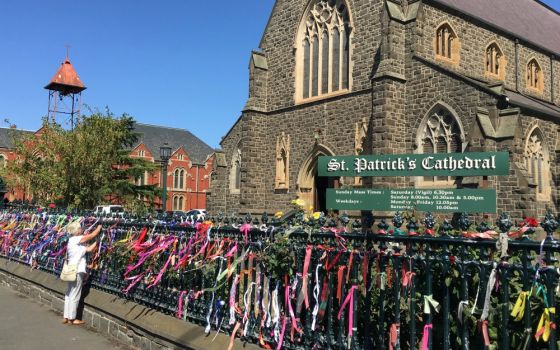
(325, 284)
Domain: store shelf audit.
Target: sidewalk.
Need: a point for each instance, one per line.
(28, 325)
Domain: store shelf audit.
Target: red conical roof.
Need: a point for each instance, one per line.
(66, 79)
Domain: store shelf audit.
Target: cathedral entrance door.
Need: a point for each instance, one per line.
(320, 191)
(312, 189)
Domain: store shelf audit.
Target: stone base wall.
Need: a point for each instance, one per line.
(123, 321)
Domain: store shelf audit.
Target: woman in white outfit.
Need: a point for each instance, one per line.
(77, 255)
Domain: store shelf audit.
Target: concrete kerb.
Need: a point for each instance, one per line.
(122, 320)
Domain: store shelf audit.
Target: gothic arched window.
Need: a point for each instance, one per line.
(537, 163)
(440, 132)
(495, 61)
(447, 45)
(534, 76)
(323, 49)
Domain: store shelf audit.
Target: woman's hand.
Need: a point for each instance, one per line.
(90, 236)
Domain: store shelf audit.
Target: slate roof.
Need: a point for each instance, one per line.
(7, 136)
(534, 104)
(155, 136)
(529, 20)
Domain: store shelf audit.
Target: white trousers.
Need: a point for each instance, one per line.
(72, 297)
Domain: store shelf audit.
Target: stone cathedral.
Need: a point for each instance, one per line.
(350, 77)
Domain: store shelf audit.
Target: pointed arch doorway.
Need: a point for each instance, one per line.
(312, 189)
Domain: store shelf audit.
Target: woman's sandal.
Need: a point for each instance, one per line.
(64, 321)
(78, 322)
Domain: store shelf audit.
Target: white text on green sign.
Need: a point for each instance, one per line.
(446, 164)
(433, 200)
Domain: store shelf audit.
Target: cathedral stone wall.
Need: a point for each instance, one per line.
(396, 79)
(475, 37)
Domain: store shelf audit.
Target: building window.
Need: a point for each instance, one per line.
(534, 76)
(178, 202)
(440, 132)
(179, 179)
(537, 163)
(323, 50)
(180, 157)
(141, 153)
(495, 61)
(235, 172)
(446, 44)
(141, 180)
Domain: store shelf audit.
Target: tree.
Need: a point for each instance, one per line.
(83, 167)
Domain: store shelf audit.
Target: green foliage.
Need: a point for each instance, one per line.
(278, 258)
(83, 167)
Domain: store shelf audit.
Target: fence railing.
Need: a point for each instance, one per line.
(320, 283)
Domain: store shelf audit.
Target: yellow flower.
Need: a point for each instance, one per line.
(316, 215)
(300, 202)
(278, 214)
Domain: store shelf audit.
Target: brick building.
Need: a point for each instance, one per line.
(188, 171)
(343, 77)
(7, 136)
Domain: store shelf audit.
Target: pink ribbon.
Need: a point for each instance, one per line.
(393, 335)
(291, 311)
(232, 251)
(245, 228)
(349, 300)
(426, 336)
(135, 281)
(180, 306)
(306, 262)
(407, 279)
(485, 333)
(161, 272)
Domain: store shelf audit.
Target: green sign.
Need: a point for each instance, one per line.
(463, 200)
(443, 164)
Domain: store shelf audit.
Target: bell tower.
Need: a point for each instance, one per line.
(65, 92)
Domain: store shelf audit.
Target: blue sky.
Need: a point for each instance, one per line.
(178, 63)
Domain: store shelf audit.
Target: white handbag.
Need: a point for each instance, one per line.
(69, 271)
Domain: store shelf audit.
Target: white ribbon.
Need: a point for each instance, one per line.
(266, 302)
(489, 286)
(502, 244)
(232, 293)
(275, 314)
(316, 292)
(211, 308)
(473, 310)
(246, 296)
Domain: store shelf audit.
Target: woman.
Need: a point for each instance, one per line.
(76, 251)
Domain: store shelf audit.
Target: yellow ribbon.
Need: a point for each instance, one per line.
(429, 301)
(545, 324)
(519, 307)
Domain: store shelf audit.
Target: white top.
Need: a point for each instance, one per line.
(77, 253)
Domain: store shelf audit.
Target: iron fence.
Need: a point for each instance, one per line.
(320, 283)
